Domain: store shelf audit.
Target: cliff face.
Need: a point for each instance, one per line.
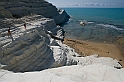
(20, 8)
(32, 49)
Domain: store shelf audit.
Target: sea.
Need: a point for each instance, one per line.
(104, 24)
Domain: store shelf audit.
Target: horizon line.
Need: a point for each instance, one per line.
(91, 7)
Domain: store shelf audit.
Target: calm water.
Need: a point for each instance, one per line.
(105, 24)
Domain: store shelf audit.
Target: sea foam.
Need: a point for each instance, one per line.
(111, 26)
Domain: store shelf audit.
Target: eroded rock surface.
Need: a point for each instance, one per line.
(31, 49)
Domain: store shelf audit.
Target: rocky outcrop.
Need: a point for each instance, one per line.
(31, 49)
(27, 54)
(20, 8)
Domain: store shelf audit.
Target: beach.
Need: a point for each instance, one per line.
(86, 48)
(102, 35)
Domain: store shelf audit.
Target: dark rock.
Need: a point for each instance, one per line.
(20, 8)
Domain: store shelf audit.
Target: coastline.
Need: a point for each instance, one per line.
(37, 48)
(86, 48)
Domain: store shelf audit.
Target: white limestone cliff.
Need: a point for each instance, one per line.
(30, 49)
(37, 54)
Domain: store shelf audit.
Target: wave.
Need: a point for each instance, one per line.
(111, 26)
(89, 22)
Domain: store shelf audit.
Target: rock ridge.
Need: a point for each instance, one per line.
(31, 49)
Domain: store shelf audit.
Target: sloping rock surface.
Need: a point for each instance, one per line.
(30, 49)
(77, 73)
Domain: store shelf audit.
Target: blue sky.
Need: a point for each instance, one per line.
(87, 3)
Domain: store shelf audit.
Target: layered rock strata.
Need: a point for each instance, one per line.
(20, 8)
(30, 49)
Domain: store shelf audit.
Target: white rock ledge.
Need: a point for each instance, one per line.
(77, 73)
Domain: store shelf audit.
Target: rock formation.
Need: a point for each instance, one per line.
(20, 8)
(31, 49)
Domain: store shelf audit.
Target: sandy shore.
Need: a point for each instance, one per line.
(86, 48)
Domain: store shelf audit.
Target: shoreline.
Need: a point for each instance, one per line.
(86, 48)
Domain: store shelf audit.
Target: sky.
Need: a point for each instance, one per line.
(88, 3)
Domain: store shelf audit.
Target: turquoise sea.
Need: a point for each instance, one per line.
(104, 24)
